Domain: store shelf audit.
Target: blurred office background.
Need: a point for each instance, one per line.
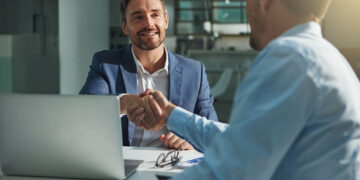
(46, 46)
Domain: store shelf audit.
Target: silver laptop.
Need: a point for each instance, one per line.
(62, 136)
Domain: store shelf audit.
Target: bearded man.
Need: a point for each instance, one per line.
(148, 64)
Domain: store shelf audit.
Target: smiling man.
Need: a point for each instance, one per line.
(147, 63)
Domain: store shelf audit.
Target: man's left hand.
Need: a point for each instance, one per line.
(173, 141)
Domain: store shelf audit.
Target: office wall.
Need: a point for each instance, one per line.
(5, 64)
(237, 43)
(32, 16)
(342, 28)
(170, 7)
(28, 31)
(83, 30)
(22, 67)
(15, 18)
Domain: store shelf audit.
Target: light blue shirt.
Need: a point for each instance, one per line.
(296, 115)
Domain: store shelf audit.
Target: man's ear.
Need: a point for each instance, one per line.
(266, 4)
(124, 27)
(166, 20)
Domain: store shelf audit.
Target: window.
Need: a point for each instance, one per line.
(198, 17)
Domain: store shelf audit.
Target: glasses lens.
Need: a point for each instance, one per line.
(170, 158)
(160, 159)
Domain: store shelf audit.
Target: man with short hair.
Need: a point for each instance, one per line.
(296, 115)
(147, 63)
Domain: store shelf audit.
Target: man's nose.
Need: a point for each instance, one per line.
(149, 22)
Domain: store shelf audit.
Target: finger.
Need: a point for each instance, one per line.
(157, 127)
(138, 111)
(186, 146)
(145, 124)
(155, 107)
(161, 100)
(145, 93)
(130, 114)
(166, 140)
(131, 109)
(172, 140)
(139, 118)
(137, 115)
(162, 137)
(177, 143)
(149, 112)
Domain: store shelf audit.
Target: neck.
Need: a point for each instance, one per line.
(151, 60)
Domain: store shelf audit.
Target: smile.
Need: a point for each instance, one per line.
(148, 33)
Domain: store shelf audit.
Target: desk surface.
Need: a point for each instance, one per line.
(145, 171)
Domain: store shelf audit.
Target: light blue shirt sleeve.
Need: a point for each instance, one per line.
(270, 108)
(197, 130)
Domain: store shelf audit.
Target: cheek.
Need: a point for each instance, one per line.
(133, 30)
(160, 24)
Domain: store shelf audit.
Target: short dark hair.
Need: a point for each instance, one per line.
(311, 9)
(123, 6)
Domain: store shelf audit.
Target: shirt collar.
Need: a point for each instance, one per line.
(141, 68)
(308, 28)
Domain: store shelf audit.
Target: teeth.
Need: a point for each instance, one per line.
(148, 34)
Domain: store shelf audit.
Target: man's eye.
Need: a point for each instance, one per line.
(138, 17)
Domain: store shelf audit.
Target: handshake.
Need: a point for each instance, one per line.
(150, 110)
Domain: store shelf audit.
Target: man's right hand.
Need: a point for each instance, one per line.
(128, 100)
(143, 111)
(155, 112)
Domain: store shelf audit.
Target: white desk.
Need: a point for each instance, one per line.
(145, 171)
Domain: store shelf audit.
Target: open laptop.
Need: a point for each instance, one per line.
(62, 136)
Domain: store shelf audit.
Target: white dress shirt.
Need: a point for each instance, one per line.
(159, 80)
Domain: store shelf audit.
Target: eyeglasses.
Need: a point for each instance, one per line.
(171, 157)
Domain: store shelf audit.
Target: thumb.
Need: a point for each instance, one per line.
(145, 93)
(162, 137)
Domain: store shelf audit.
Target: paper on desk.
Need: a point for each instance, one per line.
(189, 160)
(187, 157)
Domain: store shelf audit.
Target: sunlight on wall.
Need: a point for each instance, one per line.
(341, 26)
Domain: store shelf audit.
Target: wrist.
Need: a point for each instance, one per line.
(122, 101)
(168, 111)
(126, 101)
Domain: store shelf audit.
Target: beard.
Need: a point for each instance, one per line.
(145, 44)
(258, 27)
(255, 42)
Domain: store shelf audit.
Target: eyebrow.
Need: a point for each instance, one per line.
(139, 12)
(135, 13)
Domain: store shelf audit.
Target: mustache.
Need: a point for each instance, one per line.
(147, 29)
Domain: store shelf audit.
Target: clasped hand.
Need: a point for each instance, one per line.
(150, 110)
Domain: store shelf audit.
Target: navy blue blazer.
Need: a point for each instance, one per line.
(113, 72)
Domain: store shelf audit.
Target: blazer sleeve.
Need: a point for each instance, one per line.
(204, 103)
(96, 81)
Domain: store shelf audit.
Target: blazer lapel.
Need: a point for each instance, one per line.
(129, 75)
(129, 72)
(175, 79)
